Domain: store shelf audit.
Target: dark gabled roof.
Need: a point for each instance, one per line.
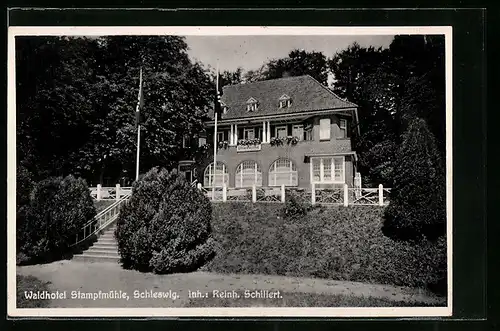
(306, 94)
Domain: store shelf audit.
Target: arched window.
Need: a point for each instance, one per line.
(248, 174)
(217, 177)
(283, 171)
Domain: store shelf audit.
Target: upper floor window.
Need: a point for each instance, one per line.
(298, 131)
(308, 132)
(252, 105)
(248, 133)
(281, 131)
(324, 129)
(343, 128)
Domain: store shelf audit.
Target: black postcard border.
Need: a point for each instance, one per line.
(469, 139)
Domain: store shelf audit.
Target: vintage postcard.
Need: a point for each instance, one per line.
(229, 171)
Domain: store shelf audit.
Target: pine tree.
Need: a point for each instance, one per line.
(418, 202)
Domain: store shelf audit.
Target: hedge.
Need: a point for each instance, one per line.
(58, 208)
(342, 243)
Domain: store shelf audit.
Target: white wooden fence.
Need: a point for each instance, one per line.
(317, 195)
(110, 193)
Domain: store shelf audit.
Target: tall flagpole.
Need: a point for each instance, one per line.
(138, 148)
(137, 109)
(215, 131)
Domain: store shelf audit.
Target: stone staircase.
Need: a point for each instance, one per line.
(105, 249)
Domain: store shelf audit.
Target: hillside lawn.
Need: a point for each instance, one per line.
(27, 284)
(339, 243)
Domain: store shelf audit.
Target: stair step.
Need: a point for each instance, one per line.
(101, 252)
(96, 258)
(106, 234)
(105, 244)
(106, 237)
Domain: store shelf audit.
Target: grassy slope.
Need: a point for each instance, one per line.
(302, 300)
(335, 243)
(30, 283)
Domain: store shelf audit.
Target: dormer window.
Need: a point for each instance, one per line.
(252, 105)
(285, 101)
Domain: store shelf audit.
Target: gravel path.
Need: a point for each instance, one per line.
(91, 277)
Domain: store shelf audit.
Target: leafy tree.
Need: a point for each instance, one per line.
(231, 77)
(298, 63)
(391, 87)
(77, 115)
(418, 63)
(363, 76)
(417, 208)
(255, 75)
(54, 106)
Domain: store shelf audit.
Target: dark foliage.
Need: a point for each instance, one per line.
(165, 226)
(418, 205)
(85, 90)
(296, 206)
(57, 210)
(341, 243)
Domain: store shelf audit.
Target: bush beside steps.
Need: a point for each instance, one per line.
(165, 227)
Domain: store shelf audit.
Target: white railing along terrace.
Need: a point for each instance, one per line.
(100, 221)
(333, 195)
(109, 193)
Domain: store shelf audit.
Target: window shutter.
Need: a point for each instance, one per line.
(324, 129)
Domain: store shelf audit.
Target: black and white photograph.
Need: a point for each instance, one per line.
(229, 171)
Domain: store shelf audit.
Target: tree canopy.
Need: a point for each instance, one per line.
(77, 99)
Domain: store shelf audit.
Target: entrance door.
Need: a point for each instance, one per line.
(189, 175)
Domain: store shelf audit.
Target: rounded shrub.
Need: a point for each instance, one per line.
(58, 208)
(165, 226)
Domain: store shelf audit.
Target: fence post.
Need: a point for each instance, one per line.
(254, 193)
(199, 186)
(117, 192)
(346, 195)
(313, 194)
(380, 195)
(224, 193)
(99, 194)
(283, 193)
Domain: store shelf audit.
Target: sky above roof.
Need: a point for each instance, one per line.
(250, 52)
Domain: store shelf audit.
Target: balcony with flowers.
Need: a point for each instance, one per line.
(249, 145)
